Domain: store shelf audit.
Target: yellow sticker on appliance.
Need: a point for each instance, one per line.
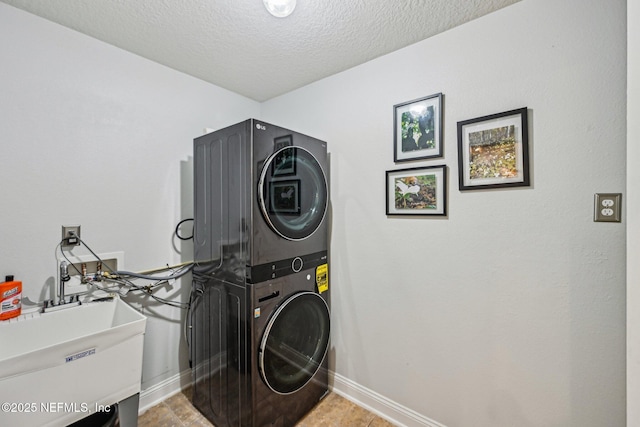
(322, 277)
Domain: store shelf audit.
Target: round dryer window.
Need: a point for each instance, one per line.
(295, 342)
(293, 193)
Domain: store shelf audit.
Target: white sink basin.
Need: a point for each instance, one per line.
(59, 367)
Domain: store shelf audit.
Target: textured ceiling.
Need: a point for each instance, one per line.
(237, 45)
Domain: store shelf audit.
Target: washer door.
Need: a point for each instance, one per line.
(292, 193)
(294, 343)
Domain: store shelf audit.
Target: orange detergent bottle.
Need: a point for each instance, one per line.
(10, 298)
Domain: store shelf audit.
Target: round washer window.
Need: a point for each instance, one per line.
(293, 193)
(295, 342)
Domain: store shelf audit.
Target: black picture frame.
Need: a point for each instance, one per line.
(417, 191)
(493, 151)
(417, 129)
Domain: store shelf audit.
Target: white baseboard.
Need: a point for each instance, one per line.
(163, 390)
(391, 411)
(383, 407)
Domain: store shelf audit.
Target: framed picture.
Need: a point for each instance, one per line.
(493, 151)
(417, 191)
(418, 129)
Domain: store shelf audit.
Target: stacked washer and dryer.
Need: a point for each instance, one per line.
(260, 316)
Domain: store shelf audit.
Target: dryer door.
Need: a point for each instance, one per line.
(292, 193)
(295, 342)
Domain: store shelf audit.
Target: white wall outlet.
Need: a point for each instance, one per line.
(607, 207)
(114, 260)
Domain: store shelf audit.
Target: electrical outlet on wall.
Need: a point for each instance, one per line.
(607, 207)
(70, 235)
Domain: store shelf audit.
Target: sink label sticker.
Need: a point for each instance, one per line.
(74, 357)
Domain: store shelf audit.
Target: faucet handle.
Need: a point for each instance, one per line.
(64, 272)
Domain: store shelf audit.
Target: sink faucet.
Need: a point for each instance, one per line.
(48, 305)
(64, 277)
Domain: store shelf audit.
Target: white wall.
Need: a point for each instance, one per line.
(633, 207)
(93, 135)
(511, 311)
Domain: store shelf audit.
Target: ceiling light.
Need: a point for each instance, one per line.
(280, 8)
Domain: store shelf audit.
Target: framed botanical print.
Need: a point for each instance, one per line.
(418, 129)
(493, 151)
(417, 191)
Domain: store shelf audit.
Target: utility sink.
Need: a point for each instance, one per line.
(62, 366)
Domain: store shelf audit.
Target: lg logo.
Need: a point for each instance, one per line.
(260, 127)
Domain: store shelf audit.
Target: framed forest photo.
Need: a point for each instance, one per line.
(417, 191)
(493, 151)
(417, 128)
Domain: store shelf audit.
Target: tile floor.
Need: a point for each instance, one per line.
(332, 411)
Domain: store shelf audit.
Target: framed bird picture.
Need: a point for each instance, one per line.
(417, 191)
